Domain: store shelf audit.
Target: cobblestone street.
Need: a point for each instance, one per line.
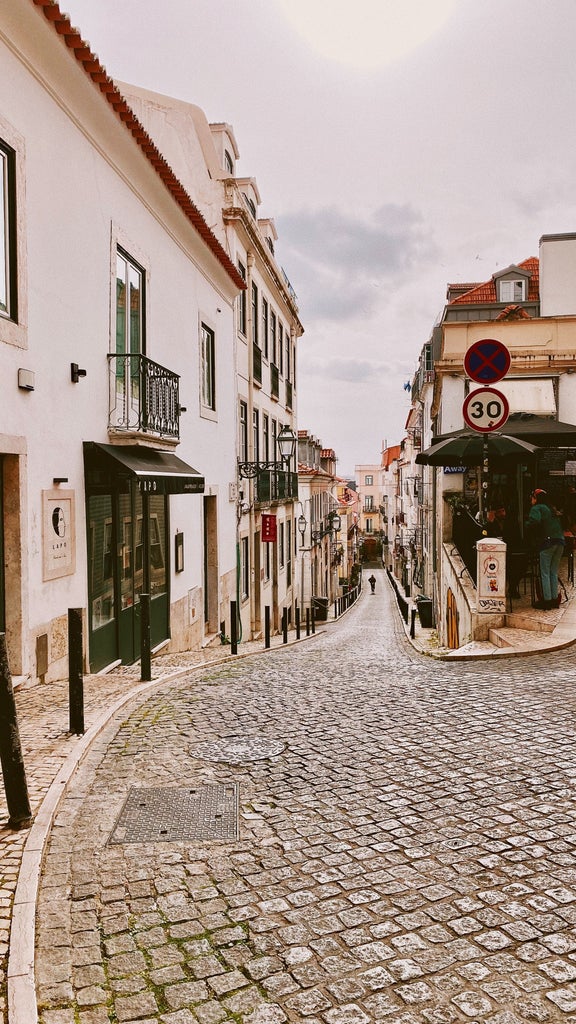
(405, 847)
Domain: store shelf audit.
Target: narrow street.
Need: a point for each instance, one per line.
(405, 846)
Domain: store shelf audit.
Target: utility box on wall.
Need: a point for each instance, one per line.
(491, 575)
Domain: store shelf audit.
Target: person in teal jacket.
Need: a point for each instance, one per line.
(548, 535)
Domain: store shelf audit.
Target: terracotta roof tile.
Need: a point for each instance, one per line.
(96, 71)
(485, 293)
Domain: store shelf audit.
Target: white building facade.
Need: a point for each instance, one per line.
(118, 426)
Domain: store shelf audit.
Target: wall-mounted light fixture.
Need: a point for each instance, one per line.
(76, 373)
(26, 379)
(286, 442)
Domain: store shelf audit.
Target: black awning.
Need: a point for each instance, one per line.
(157, 472)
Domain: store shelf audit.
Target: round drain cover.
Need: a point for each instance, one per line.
(237, 749)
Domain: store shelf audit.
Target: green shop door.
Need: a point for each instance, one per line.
(117, 572)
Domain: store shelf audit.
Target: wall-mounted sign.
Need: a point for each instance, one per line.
(269, 529)
(58, 534)
(454, 469)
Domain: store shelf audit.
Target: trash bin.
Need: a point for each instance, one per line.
(424, 605)
(320, 606)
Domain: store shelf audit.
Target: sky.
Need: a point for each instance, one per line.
(398, 145)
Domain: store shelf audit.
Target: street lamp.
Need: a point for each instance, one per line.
(286, 442)
(302, 524)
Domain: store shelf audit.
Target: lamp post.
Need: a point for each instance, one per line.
(286, 442)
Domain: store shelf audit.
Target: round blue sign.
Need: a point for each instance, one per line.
(487, 361)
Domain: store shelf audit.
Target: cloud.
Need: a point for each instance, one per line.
(339, 262)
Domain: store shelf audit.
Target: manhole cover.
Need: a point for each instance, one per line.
(171, 815)
(237, 749)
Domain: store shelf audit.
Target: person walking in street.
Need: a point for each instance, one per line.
(548, 536)
(372, 582)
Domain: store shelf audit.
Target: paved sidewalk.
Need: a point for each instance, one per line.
(49, 750)
(405, 845)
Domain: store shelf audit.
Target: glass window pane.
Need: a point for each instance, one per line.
(4, 240)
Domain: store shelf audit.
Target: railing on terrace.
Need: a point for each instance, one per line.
(276, 485)
(144, 396)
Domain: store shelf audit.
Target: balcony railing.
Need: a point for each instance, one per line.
(274, 382)
(144, 396)
(276, 485)
(257, 364)
(288, 395)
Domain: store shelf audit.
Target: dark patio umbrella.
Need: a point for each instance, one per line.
(539, 430)
(468, 449)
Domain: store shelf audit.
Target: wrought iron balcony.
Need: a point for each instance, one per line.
(144, 397)
(276, 485)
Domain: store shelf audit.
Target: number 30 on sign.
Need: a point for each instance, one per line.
(485, 409)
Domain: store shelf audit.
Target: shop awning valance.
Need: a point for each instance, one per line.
(156, 472)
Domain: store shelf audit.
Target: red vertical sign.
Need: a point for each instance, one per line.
(269, 530)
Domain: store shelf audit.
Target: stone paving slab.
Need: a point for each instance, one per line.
(408, 855)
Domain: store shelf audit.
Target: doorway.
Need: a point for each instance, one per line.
(118, 571)
(211, 602)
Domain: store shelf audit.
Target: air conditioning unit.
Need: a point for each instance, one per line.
(233, 492)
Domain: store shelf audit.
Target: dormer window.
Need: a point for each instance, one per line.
(228, 162)
(513, 291)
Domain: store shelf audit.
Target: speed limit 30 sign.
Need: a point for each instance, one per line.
(485, 409)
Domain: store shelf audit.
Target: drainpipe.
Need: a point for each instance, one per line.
(253, 582)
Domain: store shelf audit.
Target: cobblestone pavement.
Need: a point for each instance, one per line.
(405, 851)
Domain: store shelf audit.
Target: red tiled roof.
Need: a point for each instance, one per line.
(97, 72)
(485, 293)
(389, 455)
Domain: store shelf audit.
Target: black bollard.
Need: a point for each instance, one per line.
(307, 622)
(145, 639)
(267, 626)
(233, 628)
(75, 675)
(313, 619)
(13, 771)
(297, 622)
(412, 623)
(284, 625)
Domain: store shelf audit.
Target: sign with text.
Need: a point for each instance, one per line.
(485, 409)
(58, 534)
(269, 529)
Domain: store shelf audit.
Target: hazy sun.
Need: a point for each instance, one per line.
(366, 33)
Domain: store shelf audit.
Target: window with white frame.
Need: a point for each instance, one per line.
(368, 480)
(513, 291)
(256, 434)
(243, 431)
(264, 339)
(208, 368)
(242, 301)
(245, 567)
(281, 546)
(280, 349)
(368, 502)
(273, 354)
(265, 438)
(255, 314)
(8, 278)
(369, 526)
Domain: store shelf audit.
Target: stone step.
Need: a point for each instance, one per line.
(532, 619)
(527, 639)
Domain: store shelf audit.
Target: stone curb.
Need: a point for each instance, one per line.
(21, 1002)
